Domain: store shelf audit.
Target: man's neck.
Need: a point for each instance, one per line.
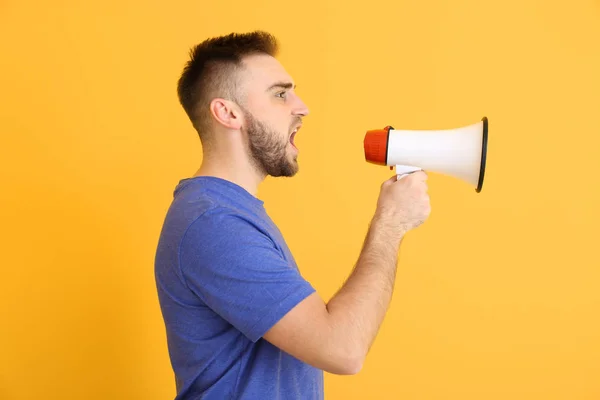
(242, 174)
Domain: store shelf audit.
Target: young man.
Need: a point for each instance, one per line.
(241, 321)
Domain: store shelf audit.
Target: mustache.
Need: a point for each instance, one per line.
(296, 121)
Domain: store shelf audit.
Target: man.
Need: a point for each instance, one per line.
(241, 321)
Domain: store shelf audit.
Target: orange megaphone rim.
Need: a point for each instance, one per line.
(376, 145)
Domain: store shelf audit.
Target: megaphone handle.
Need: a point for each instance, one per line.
(403, 170)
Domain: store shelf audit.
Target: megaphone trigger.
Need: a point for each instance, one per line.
(403, 170)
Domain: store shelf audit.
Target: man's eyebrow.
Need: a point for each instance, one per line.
(283, 85)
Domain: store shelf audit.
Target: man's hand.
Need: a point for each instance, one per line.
(337, 336)
(404, 202)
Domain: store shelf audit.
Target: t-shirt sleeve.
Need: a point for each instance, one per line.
(236, 269)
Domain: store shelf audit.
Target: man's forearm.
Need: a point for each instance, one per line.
(359, 307)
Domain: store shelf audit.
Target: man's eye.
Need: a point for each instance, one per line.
(281, 94)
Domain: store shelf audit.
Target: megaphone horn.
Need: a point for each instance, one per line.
(459, 152)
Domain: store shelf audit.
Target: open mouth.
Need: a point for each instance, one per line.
(293, 135)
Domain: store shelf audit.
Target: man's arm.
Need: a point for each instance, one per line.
(337, 336)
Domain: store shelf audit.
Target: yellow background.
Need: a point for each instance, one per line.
(497, 296)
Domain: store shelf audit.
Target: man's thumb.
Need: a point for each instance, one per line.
(391, 180)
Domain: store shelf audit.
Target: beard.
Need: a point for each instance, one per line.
(268, 152)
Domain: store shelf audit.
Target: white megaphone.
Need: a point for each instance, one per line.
(459, 152)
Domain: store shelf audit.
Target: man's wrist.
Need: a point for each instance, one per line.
(385, 223)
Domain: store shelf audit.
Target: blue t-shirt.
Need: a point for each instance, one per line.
(225, 276)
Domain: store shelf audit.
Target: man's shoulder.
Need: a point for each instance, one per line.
(194, 202)
(206, 218)
(209, 197)
(226, 224)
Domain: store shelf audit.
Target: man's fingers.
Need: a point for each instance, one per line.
(419, 175)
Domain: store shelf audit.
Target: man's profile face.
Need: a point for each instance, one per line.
(273, 113)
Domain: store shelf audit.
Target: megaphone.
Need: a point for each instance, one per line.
(459, 152)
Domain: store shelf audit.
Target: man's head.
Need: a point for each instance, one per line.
(234, 84)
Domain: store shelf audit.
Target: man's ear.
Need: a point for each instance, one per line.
(226, 113)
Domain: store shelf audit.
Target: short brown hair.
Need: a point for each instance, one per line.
(211, 71)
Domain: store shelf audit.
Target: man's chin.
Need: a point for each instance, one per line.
(292, 169)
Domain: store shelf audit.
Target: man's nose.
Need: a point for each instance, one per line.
(301, 108)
